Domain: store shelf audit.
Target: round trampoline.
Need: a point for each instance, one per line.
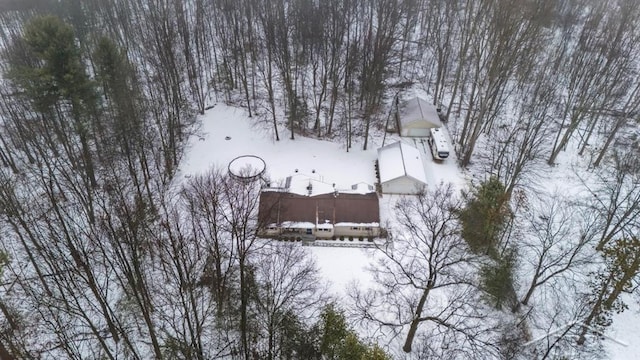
(247, 168)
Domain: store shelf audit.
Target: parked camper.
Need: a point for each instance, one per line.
(438, 144)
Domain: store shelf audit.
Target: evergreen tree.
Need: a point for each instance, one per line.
(333, 329)
(4, 352)
(56, 71)
(123, 130)
(4, 259)
(298, 342)
(622, 261)
(485, 215)
(339, 342)
(374, 352)
(497, 280)
(52, 76)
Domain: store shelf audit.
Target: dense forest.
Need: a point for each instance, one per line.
(104, 258)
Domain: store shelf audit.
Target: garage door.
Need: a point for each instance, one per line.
(417, 132)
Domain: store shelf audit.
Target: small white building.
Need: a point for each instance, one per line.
(416, 117)
(401, 169)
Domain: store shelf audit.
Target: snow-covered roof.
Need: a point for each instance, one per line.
(440, 140)
(418, 112)
(373, 224)
(306, 185)
(298, 225)
(399, 159)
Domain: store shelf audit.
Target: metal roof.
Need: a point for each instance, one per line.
(277, 207)
(399, 159)
(418, 112)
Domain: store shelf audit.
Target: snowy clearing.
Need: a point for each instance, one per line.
(228, 133)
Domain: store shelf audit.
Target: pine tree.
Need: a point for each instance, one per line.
(497, 280)
(123, 129)
(485, 215)
(52, 76)
(339, 342)
(334, 328)
(4, 352)
(622, 261)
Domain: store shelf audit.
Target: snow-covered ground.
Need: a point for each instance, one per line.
(323, 160)
(228, 133)
(624, 333)
(344, 267)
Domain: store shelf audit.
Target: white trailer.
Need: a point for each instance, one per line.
(438, 144)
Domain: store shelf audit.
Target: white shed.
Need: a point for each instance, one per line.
(416, 117)
(401, 169)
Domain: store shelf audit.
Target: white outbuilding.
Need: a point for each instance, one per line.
(401, 169)
(416, 117)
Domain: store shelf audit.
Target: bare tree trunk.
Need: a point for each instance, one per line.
(415, 322)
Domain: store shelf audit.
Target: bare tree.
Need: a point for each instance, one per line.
(616, 198)
(336, 27)
(553, 244)
(508, 41)
(440, 33)
(423, 275)
(596, 69)
(196, 326)
(379, 42)
(266, 70)
(287, 282)
(621, 119)
(206, 204)
(516, 146)
(556, 323)
(241, 222)
(276, 24)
